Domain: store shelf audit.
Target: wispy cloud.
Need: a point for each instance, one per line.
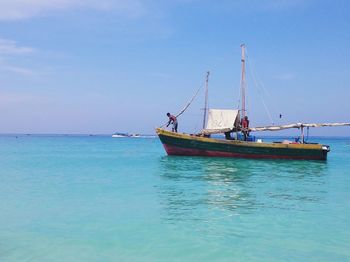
(23, 9)
(11, 50)
(11, 47)
(18, 70)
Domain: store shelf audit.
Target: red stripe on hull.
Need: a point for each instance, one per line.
(174, 150)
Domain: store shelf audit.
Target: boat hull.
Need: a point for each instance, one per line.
(188, 145)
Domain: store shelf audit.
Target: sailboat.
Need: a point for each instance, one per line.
(241, 144)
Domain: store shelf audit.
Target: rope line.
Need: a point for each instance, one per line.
(189, 103)
(261, 90)
(186, 106)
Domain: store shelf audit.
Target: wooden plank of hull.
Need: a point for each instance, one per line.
(183, 144)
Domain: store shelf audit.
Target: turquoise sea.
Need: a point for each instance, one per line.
(95, 198)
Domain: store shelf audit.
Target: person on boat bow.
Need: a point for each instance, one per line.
(245, 127)
(172, 120)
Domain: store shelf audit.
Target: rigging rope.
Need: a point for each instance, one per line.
(263, 100)
(186, 106)
(260, 88)
(189, 103)
(239, 97)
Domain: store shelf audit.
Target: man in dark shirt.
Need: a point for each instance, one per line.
(172, 120)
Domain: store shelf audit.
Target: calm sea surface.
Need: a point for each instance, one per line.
(97, 198)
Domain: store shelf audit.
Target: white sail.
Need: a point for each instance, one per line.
(221, 120)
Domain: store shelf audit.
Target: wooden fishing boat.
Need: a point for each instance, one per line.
(192, 145)
(229, 122)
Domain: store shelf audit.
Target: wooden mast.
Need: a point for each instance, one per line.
(243, 85)
(206, 100)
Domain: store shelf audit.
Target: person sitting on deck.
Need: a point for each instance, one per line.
(173, 120)
(245, 127)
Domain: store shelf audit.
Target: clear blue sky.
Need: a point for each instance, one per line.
(100, 66)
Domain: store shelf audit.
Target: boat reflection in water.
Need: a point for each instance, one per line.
(196, 188)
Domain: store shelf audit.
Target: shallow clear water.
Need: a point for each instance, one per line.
(103, 199)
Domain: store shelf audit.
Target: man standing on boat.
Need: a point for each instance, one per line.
(172, 120)
(245, 127)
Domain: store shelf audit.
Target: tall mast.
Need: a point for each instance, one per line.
(206, 100)
(243, 85)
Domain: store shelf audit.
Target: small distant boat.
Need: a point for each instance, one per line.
(118, 135)
(121, 135)
(241, 144)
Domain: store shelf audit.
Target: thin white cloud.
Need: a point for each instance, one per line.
(24, 9)
(18, 70)
(10, 50)
(11, 47)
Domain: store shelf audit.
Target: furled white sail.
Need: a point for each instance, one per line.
(296, 125)
(221, 120)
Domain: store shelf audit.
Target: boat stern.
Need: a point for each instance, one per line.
(325, 150)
